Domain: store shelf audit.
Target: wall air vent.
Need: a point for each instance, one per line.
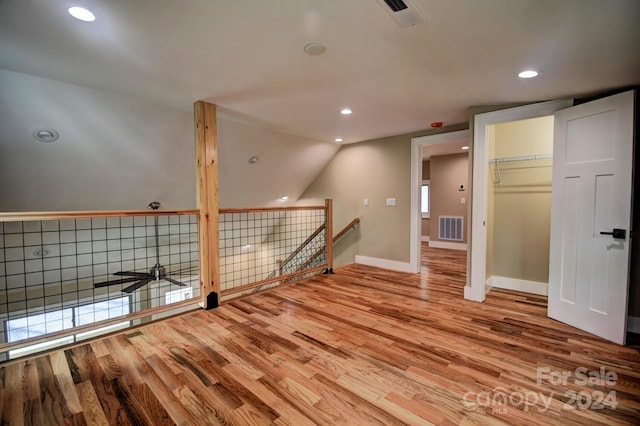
(404, 12)
(450, 228)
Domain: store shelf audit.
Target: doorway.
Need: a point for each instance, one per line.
(417, 146)
(591, 210)
(476, 287)
(519, 204)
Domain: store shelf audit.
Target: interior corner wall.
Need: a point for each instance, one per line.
(376, 170)
(448, 172)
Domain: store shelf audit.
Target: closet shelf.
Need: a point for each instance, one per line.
(497, 173)
(520, 158)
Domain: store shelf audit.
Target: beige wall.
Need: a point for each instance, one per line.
(376, 169)
(519, 201)
(447, 173)
(426, 170)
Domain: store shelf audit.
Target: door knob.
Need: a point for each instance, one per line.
(617, 233)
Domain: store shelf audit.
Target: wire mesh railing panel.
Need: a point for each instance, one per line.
(262, 245)
(60, 274)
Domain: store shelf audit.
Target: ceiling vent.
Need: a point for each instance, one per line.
(404, 12)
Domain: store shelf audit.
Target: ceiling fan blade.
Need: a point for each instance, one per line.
(172, 281)
(116, 282)
(137, 285)
(132, 274)
(181, 270)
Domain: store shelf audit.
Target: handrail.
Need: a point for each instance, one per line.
(311, 227)
(298, 250)
(355, 222)
(86, 289)
(28, 216)
(269, 209)
(303, 245)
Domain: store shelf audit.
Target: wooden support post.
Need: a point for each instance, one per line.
(329, 233)
(207, 201)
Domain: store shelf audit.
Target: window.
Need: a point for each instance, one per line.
(178, 295)
(425, 199)
(38, 325)
(63, 319)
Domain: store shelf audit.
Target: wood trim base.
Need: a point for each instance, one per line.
(393, 265)
(448, 245)
(506, 283)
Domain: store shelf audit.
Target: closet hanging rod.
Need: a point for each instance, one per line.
(521, 158)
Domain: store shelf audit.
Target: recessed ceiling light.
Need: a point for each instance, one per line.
(46, 135)
(284, 197)
(345, 111)
(82, 14)
(338, 139)
(315, 49)
(528, 74)
(465, 148)
(254, 160)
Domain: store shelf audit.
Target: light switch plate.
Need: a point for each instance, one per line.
(391, 202)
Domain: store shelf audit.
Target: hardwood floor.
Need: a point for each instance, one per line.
(364, 346)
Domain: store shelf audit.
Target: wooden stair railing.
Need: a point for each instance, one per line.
(352, 225)
(282, 263)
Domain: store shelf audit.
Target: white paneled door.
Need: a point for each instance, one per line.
(591, 215)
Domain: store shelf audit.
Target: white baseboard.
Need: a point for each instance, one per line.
(424, 238)
(394, 265)
(448, 245)
(488, 285)
(533, 287)
(633, 324)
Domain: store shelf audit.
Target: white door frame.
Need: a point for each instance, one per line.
(475, 288)
(416, 181)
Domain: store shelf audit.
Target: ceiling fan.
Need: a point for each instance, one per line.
(156, 273)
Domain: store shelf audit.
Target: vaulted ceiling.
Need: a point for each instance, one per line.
(120, 89)
(247, 56)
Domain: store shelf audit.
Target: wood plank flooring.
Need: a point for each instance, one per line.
(364, 346)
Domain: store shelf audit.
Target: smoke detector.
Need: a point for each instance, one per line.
(404, 12)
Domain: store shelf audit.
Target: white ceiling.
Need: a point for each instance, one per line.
(247, 56)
